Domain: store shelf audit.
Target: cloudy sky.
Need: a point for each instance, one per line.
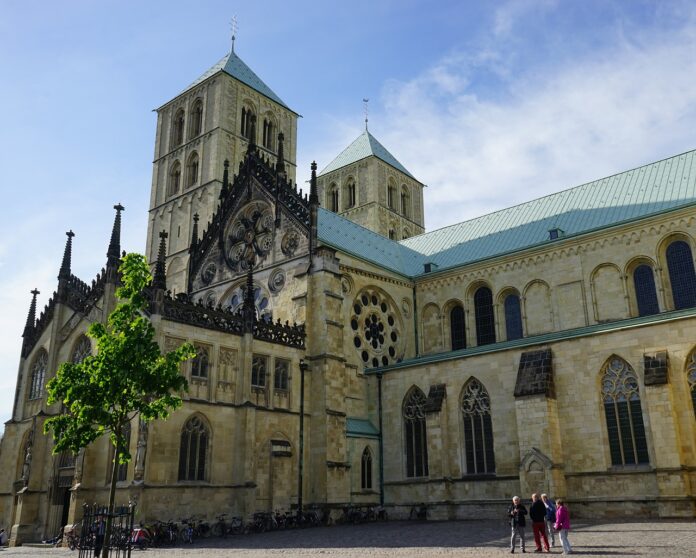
(488, 103)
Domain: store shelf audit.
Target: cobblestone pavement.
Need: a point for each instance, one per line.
(673, 539)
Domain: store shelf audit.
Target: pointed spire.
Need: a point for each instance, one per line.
(31, 317)
(194, 234)
(313, 195)
(65, 272)
(280, 163)
(159, 281)
(114, 251)
(225, 181)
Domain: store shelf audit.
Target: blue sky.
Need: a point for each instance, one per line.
(488, 103)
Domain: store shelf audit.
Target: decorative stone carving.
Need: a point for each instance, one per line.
(376, 328)
(347, 284)
(290, 243)
(249, 236)
(276, 281)
(406, 307)
(140, 452)
(208, 273)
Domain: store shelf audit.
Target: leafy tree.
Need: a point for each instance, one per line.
(127, 376)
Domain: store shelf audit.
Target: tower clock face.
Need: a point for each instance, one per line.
(249, 236)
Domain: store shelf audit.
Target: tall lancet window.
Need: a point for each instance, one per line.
(193, 451)
(478, 429)
(38, 375)
(624, 415)
(366, 470)
(415, 437)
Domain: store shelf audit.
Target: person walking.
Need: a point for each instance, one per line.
(563, 525)
(537, 513)
(550, 519)
(516, 512)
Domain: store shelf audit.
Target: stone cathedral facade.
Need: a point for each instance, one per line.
(546, 347)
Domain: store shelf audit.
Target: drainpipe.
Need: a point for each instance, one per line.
(303, 369)
(381, 438)
(415, 319)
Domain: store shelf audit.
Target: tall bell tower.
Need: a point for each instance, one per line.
(211, 121)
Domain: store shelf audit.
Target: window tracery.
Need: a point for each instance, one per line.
(376, 328)
(83, 349)
(415, 434)
(38, 375)
(478, 429)
(201, 362)
(195, 438)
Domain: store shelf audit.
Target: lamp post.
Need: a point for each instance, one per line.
(303, 368)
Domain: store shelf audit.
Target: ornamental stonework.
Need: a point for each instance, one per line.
(376, 328)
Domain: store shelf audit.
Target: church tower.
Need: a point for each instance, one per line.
(369, 186)
(211, 121)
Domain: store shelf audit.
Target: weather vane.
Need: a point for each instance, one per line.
(365, 101)
(233, 26)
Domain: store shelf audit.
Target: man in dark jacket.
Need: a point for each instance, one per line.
(537, 512)
(517, 511)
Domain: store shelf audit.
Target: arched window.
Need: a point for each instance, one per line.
(83, 349)
(194, 450)
(691, 377)
(681, 275)
(196, 126)
(646, 295)
(178, 128)
(192, 170)
(269, 133)
(415, 434)
(457, 329)
(122, 471)
(349, 192)
(392, 234)
(247, 126)
(201, 362)
(38, 375)
(391, 197)
(627, 443)
(513, 317)
(405, 202)
(478, 429)
(174, 179)
(366, 469)
(333, 199)
(485, 324)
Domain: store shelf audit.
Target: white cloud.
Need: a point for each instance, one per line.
(510, 13)
(607, 112)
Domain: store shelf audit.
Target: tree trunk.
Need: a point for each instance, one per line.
(112, 498)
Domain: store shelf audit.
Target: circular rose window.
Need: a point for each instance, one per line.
(249, 236)
(376, 329)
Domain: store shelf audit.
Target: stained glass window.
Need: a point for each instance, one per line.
(485, 323)
(478, 429)
(682, 276)
(415, 434)
(194, 449)
(513, 317)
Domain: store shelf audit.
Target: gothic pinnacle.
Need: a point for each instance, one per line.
(194, 234)
(159, 281)
(113, 254)
(280, 163)
(31, 317)
(65, 272)
(225, 181)
(313, 196)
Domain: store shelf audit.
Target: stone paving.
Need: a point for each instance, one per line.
(404, 539)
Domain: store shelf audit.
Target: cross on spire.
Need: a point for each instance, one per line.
(365, 101)
(233, 27)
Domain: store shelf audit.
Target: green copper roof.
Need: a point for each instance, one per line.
(364, 146)
(233, 65)
(635, 194)
(349, 237)
(360, 428)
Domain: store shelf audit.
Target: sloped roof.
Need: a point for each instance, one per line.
(360, 428)
(364, 146)
(648, 190)
(233, 65)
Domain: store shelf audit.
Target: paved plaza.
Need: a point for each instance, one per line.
(402, 539)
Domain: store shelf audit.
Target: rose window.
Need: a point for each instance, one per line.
(249, 236)
(376, 329)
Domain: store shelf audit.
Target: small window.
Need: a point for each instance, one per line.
(485, 323)
(334, 200)
(178, 128)
(247, 123)
(196, 119)
(38, 375)
(193, 450)
(513, 317)
(405, 202)
(259, 368)
(646, 295)
(269, 134)
(350, 194)
(682, 277)
(366, 470)
(174, 179)
(192, 170)
(280, 375)
(457, 331)
(391, 197)
(201, 362)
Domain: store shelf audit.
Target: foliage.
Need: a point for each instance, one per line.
(127, 376)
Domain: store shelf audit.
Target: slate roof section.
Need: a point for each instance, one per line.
(365, 145)
(360, 428)
(634, 194)
(233, 65)
(344, 235)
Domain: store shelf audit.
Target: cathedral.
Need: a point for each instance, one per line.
(344, 355)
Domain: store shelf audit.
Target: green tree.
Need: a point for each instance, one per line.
(127, 376)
